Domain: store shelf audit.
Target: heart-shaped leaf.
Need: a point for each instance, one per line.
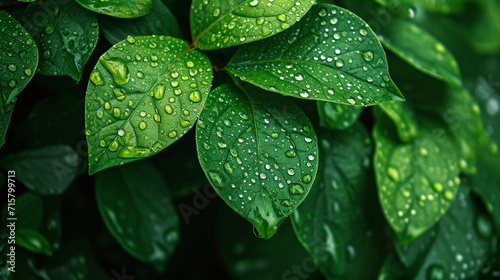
(403, 116)
(219, 24)
(119, 8)
(259, 152)
(337, 116)
(143, 220)
(421, 50)
(65, 40)
(19, 55)
(416, 181)
(143, 94)
(330, 55)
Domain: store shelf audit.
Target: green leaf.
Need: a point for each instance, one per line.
(220, 24)
(331, 223)
(443, 6)
(403, 116)
(159, 22)
(416, 181)
(19, 60)
(456, 248)
(119, 8)
(259, 152)
(330, 55)
(28, 211)
(69, 262)
(48, 170)
(66, 39)
(337, 116)
(33, 241)
(5, 121)
(421, 50)
(143, 95)
(143, 220)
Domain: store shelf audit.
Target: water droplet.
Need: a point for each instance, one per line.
(119, 94)
(393, 173)
(290, 153)
(172, 134)
(195, 96)
(299, 77)
(322, 12)
(216, 178)
(274, 135)
(437, 187)
(99, 114)
(291, 172)
(228, 123)
(46, 54)
(96, 78)
(216, 12)
(12, 83)
(266, 31)
(435, 272)
(102, 143)
(206, 146)
(169, 109)
(368, 55)
(49, 29)
(185, 123)
(363, 32)
(159, 92)
(113, 146)
(12, 67)
(282, 18)
(339, 63)
(448, 195)
(351, 100)
(286, 203)
(117, 68)
(483, 226)
(296, 189)
(130, 39)
(116, 112)
(142, 125)
(228, 168)
(157, 118)
(28, 72)
(306, 178)
(254, 3)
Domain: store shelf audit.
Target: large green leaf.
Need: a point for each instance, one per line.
(337, 116)
(65, 40)
(421, 50)
(143, 94)
(330, 55)
(119, 8)
(259, 152)
(19, 55)
(48, 170)
(219, 24)
(143, 220)
(416, 181)
(403, 116)
(331, 223)
(159, 22)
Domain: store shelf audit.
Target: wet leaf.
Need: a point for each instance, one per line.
(143, 220)
(19, 62)
(403, 116)
(331, 222)
(143, 95)
(330, 55)
(119, 8)
(421, 50)
(259, 152)
(33, 241)
(416, 181)
(65, 40)
(159, 22)
(219, 24)
(337, 116)
(48, 170)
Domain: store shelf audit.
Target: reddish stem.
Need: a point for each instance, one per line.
(12, 4)
(217, 69)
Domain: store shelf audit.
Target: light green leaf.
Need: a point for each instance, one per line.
(19, 55)
(143, 94)
(337, 116)
(33, 241)
(119, 8)
(143, 220)
(219, 24)
(443, 6)
(331, 222)
(421, 50)
(403, 116)
(159, 22)
(259, 152)
(416, 181)
(330, 55)
(48, 170)
(65, 40)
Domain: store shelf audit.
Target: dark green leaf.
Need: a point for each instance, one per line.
(19, 55)
(421, 50)
(330, 55)
(143, 95)
(337, 116)
(28, 211)
(68, 263)
(33, 241)
(403, 116)
(220, 24)
(48, 170)
(259, 152)
(66, 39)
(143, 220)
(416, 181)
(159, 22)
(331, 222)
(5, 121)
(119, 8)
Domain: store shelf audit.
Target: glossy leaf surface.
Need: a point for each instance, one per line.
(119, 8)
(337, 116)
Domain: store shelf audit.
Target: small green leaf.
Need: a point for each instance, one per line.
(143, 95)
(259, 152)
(66, 39)
(337, 116)
(119, 8)
(421, 50)
(330, 55)
(331, 222)
(33, 241)
(19, 61)
(143, 220)
(219, 24)
(159, 22)
(416, 181)
(403, 116)
(48, 170)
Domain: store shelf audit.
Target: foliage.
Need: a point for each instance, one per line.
(132, 125)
